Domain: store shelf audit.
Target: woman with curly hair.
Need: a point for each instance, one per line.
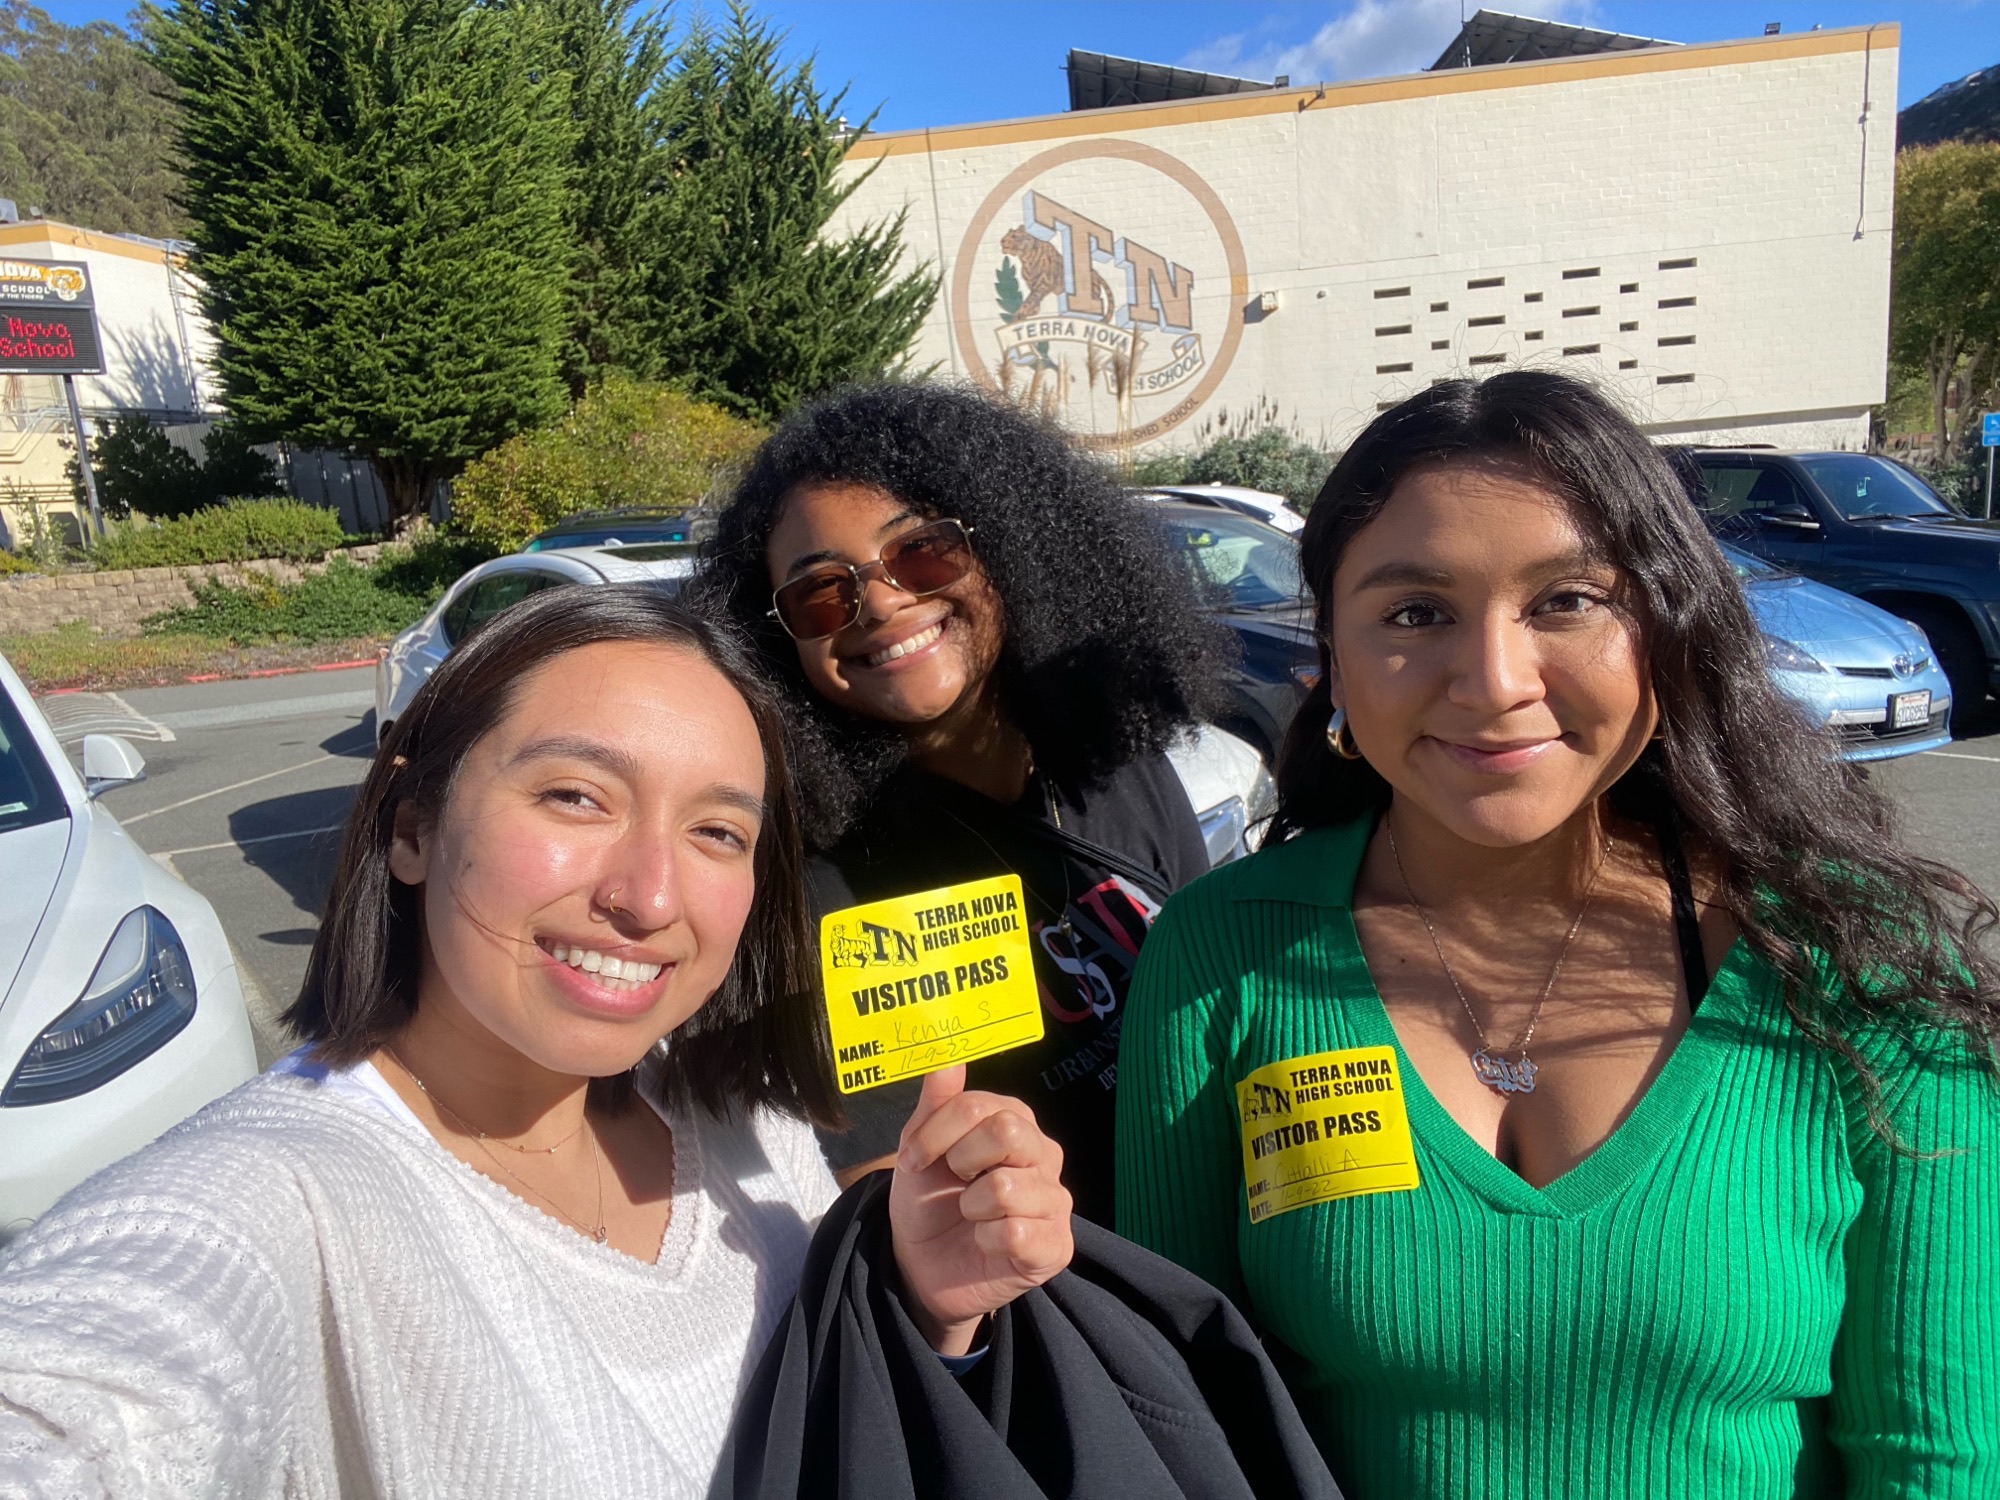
(987, 649)
(1655, 1075)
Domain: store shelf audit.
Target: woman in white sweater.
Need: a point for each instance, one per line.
(520, 1217)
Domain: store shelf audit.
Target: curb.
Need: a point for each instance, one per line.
(331, 666)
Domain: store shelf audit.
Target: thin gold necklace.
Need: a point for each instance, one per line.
(480, 1138)
(1509, 1070)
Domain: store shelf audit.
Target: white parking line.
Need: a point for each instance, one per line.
(1991, 760)
(129, 819)
(276, 708)
(262, 838)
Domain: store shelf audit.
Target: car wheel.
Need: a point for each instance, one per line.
(1958, 653)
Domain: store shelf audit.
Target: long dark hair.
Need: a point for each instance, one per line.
(757, 1040)
(1806, 850)
(1108, 654)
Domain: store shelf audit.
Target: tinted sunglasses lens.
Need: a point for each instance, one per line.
(817, 606)
(928, 560)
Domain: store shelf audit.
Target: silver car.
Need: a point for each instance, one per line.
(406, 662)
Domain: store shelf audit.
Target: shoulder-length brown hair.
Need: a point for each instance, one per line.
(757, 1040)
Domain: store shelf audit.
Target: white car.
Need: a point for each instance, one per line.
(1272, 510)
(406, 662)
(1226, 780)
(120, 1010)
(1225, 777)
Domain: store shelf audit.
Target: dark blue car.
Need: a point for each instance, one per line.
(1870, 528)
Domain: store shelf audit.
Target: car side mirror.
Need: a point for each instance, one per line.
(1790, 518)
(109, 760)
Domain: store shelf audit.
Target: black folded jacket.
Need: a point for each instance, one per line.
(1124, 1376)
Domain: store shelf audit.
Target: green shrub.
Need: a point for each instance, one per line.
(140, 472)
(428, 564)
(13, 562)
(235, 532)
(345, 600)
(626, 443)
(1270, 459)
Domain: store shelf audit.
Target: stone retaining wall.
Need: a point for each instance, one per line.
(116, 601)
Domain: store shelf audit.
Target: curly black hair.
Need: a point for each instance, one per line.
(1810, 864)
(1108, 653)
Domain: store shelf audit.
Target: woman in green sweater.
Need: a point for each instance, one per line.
(1583, 1090)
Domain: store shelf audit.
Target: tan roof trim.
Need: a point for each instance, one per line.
(58, 235)
(1376, 90)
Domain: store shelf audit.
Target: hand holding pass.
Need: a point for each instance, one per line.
(977, 1210)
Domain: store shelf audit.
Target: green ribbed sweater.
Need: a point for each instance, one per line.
(1743, 1292)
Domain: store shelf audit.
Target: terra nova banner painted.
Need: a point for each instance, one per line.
(1102, 284)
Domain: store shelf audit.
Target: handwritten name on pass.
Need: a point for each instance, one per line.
(1329, 1125)
(922, 982)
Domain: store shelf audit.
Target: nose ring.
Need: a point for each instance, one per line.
(611, 902)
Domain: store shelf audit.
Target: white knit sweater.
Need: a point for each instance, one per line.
(299, 1292)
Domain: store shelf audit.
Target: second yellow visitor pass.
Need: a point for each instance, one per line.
(1329, 1125)
(921, 982)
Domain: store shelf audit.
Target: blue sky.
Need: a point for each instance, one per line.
(945, 62)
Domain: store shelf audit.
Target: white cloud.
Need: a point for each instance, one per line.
(1367, 39)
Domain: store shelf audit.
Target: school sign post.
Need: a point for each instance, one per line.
(48, 326)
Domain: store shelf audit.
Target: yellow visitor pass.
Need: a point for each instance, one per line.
(1330, 1125)
(921, 982)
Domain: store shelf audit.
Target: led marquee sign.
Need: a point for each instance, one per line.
(48, 321)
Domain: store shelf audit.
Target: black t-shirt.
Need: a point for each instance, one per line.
(1088, 913)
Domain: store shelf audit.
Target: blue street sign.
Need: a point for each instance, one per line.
(1989, 429)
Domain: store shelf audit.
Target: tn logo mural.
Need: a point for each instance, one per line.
(1053, 257)
(1101, 319)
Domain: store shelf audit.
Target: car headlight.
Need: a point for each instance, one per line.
(1222, 828)
(1783, 656)
(139, 999)
(1263, 803)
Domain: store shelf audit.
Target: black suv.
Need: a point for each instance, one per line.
(1871, 527)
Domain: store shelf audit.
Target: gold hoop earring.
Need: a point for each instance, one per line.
(1338, 739)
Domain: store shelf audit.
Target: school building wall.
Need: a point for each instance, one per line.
(1703, 229)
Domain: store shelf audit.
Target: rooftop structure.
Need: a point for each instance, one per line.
(1100, 82)
(1493, 36)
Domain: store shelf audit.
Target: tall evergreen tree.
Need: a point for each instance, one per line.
(86, 125)
(617, 63)
(754, 305)
(380, 190)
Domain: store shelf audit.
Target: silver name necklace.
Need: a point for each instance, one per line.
(1509, 1070)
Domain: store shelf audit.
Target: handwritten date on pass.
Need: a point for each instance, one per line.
(923, 981)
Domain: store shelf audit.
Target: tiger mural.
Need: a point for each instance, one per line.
(1042, 272)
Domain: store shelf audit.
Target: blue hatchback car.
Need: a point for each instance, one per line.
(1870, 676)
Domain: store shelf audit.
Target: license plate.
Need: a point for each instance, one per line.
(1908, 710)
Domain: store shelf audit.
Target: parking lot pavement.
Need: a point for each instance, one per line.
(245, 803)
(1950, 801)
(248, 783)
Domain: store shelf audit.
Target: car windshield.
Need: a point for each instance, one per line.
(28, 791)
(1862, 487)
(1250, 564)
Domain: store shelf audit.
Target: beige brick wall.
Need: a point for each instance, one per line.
(1707, 227)
(118, 600)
